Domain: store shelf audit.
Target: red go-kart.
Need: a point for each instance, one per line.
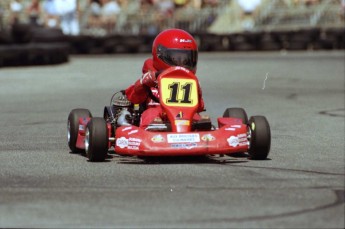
(177, 134)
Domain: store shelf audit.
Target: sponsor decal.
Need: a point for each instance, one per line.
(242, 135)
(182, 68)
(178, 138)
(208, 137)
(81, 127)
(183, 145)
(182, 122)
(127, 128)
(236, 126)
(230, 129)
(233, 141)
(243, 144)
(130, 143)
(242, 139)
(157, 138)
(185, 41)
(134, 143)
(122, 142)
(133, 132)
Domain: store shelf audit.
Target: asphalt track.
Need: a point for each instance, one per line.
(301, 185)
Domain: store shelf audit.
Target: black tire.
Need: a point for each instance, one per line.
(22, 33)
(96, 139)
(47, 35)
(236, 113)
(73, 127)
(260, 141)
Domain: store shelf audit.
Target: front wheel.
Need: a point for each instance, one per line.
(73, 127)
(96, 139)
(236, 113)
(260, 141)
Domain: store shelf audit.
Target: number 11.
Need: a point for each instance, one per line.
(174, 92)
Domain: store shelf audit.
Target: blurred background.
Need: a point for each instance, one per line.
(30, 30)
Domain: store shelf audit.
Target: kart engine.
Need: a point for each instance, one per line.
(122, 109)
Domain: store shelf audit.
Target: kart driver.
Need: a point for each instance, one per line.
(172, 47)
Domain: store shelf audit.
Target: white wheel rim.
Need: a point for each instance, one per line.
(68, 131)
(87, 141)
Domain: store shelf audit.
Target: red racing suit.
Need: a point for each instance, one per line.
(137, 94)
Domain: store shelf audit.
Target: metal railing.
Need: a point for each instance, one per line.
(271, 15)
(327, 13)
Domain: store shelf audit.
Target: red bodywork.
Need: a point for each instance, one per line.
(227, 139)
(81, 133)
(179, 99)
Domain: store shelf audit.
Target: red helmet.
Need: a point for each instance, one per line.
(174, 47)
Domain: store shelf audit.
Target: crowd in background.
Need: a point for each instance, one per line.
(82, 16)
(71, 15)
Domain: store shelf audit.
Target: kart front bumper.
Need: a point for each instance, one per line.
(132, 140)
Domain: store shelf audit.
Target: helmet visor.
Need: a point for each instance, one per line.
(178, 57)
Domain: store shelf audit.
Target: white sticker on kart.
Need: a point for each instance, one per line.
(208, 137)
(184, 145)
(130, 143)
(178, 138)
(230, 129)
(122, 142)
(133, 132)
(127, 128)
(236, 126)
(157, 138)
(233, 141)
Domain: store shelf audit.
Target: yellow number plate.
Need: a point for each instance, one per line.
(179, 92)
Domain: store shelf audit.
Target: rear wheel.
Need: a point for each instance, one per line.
(260, 141)
(73, 127)
(236, 113)
(96, 139)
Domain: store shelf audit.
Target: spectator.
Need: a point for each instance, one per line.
(110, 10)
(34, 11)
(210, 3)
(165, 10)
(16, 9)
(50, 15)
(68, 12)
(145, 7)
(180, 3)
(91, 21)
(308, 3)
(123, 4)
(94, 13)
(165, 7)
(1, 18)
(248, 7)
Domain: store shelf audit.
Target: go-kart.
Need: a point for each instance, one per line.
(177, 134)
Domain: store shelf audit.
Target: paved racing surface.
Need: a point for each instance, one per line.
(300, 185)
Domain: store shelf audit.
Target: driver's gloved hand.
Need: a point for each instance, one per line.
(149, 79)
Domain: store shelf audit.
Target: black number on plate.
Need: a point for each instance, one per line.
(174, 92)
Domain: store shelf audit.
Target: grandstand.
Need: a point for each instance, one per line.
(219, 25)
(225, 17)
(280, 15)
